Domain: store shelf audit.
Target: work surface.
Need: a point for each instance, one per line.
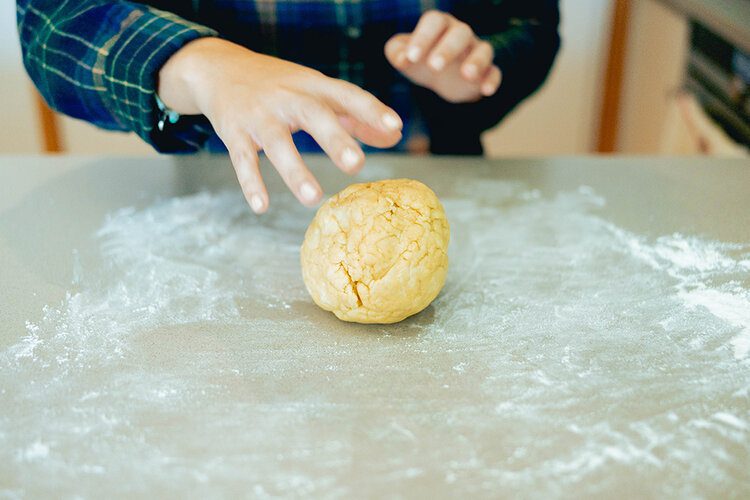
(593, 336)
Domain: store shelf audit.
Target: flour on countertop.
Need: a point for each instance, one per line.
(564, 353)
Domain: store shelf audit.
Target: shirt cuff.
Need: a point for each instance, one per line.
(130, 66)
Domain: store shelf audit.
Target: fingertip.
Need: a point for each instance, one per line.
(356, 170)
(413, 53)
(392, 121)
(492, 82)
(309, 193)
(401, 59)
(395, 50)
(470, 71)
(245, 162)
(437, 62)
(352, 160)
(258, 204)
(388, 139)
(398, 59)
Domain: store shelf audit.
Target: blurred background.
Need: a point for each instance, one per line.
(632, 76)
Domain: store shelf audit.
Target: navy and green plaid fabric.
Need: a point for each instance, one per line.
(98, 60)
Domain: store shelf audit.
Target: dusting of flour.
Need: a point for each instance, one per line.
(564, 354)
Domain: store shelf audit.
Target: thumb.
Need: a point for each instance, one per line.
(395, 50)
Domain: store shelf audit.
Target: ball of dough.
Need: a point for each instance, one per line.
(377, 252)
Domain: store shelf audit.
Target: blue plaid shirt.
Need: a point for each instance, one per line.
(98, 60)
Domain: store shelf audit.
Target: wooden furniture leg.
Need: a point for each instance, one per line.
(48, 126)
(610, 109)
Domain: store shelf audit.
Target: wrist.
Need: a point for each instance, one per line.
(185, 79)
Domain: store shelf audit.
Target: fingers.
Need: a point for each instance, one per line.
(440, 40)
(323, 125)
(244, 157)
(395, 50)
(347, 99)
(429, 28)
(456, 40)
(277, 143)
(477, 62)
(364, 132)
(491, 82)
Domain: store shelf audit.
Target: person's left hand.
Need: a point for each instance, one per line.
(444, 55)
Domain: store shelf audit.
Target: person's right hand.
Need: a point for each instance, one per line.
(255, 102)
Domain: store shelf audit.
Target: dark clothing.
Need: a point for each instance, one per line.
(98, 60)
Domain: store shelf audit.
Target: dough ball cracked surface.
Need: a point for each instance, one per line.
(377, 252)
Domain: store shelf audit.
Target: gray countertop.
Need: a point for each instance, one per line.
(593, 336)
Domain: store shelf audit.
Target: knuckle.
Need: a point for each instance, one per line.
(433, 15)
(239, 152)
(357, 97)
(273, 141)
(225, 126)
(238, 155)
(282, 98)
(341, 140)
(310, 74)
(293, 174)
(348, 102)
(481, 57)
(273, 144)
(247, 183)
(289, 171)
(307, 107)
(476, 58)
(272, 127)
(349, 89)
(463, 30)
(244, 172)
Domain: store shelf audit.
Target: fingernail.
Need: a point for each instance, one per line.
(392, 121)
(488, 90)
(471, 70)
(413, 54)
(256, 203)
(437, 63)
(349, 158)
(308, 193)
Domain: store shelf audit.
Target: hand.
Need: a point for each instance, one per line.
(444, 55)
(255, 102)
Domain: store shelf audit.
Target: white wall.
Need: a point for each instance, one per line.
(82, 137)
(560, 119)
(18, 111)
(20, 133)
(657, 49)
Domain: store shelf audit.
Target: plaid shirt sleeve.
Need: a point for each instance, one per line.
(524, 34)
(98, 60)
